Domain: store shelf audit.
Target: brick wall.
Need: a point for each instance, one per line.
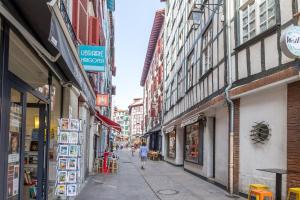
(236, 146)
(293, 133)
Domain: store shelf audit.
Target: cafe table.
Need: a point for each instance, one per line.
(279, 173)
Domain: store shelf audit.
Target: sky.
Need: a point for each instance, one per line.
(133, 24)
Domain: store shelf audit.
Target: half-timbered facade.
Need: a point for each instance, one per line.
(266, 89)
(152, 83)
(263, 84)
(195, 133)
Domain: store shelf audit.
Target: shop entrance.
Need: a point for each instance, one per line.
(27, 144)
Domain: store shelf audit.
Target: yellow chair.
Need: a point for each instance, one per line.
(295, 191)
(261, 195)
(256, 187)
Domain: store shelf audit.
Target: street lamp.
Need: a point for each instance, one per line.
(197, 10)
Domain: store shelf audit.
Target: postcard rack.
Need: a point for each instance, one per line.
(68, 158)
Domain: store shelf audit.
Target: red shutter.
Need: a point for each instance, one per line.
(80, 20)
(94, 31)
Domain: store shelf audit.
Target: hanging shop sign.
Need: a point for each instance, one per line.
(92, 58)
(290, 42)
(111, 5)
(68, 157)
(102, 100)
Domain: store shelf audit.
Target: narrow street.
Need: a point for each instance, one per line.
(159, 180)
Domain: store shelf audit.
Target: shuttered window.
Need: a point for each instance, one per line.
(94, 31)
(80, 20)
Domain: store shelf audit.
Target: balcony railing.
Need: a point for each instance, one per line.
(68, 23)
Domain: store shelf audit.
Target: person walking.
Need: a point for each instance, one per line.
(143, 154)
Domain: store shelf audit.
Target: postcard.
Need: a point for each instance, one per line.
(73, 138)
(63, 150)
(62, 176)
(72, 177)
(61, 190)
(74, 124)
(72, 163)
(62, 163)
(73, 150)
(64, 124)
(72, 190)
(63, 137)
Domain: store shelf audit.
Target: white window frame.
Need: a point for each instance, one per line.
(260, 24)
(207, 53)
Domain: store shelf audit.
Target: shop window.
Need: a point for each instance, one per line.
(172, 144)
(14, 141)
(193, 143)
(26, 65)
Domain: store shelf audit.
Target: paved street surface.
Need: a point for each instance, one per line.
(159, 180)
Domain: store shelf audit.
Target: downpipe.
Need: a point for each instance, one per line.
(228, 99)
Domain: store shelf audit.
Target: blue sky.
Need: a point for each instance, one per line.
(133, 24)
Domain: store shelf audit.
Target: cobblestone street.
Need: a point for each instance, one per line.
(159, 180)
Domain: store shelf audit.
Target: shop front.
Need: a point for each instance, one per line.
(171, 144)
(29, 94)
(193, 146)
(35, 92)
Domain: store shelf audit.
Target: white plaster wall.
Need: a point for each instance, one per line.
(286, 11)
(221, 171)
(242, 64)
(271, 53)
(179, 145)
(255, 55)
(269, 106)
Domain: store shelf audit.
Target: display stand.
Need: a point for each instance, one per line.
(68, 158)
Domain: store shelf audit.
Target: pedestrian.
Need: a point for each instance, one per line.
(132, 150)
(143, 154)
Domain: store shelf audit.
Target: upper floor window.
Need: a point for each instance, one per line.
(207, 49)
(256, 17)
(180, 83)
(190, 66)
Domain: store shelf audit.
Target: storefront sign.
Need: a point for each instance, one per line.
(102, 100)
(290, 42)
(92, 58)
(111, 5)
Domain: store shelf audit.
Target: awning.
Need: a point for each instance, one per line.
(108, 122)
(157, 129)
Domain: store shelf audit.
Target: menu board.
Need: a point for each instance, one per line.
(68, 157)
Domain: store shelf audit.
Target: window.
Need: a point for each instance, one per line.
(173, 92)
(190, 63)
(248, 22)
(256, 17)
(267, 14)
(207, 50)
(193, 143)
(180, 83)
(172, 145)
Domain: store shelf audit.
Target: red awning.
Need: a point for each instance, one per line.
(108, 122)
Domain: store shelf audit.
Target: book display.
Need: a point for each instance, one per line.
(68, 157)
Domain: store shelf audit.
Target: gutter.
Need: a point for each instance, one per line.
(228, 98)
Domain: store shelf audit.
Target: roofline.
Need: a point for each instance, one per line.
(155, 32)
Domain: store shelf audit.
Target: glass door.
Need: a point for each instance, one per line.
(27, 147)
(15, 138)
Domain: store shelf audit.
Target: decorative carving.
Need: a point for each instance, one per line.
(260, 132)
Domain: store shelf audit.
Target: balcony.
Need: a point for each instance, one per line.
(68, 23)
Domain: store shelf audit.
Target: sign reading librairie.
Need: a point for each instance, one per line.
(290, 42)
(92, 57)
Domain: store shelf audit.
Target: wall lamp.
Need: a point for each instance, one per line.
(197, 10)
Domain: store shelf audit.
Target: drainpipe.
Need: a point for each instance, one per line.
(227, 95)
